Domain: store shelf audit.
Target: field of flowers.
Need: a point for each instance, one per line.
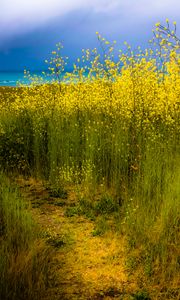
(111, 126)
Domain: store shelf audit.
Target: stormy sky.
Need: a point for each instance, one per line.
(29, 29)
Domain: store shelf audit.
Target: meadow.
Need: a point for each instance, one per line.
(111, 132)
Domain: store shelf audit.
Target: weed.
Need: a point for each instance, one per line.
(141, 295)
(101, 226)
(106, 205)
(72, 211)
(60, 203)
(57, 192)
(56, 242)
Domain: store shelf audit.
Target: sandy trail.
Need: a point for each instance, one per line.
(86, 266)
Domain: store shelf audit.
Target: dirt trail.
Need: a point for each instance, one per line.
(87, 266)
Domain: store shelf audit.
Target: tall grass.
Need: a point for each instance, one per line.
(24, 259)
(116, 129)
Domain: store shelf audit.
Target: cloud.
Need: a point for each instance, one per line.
(21, 16)
(156, 8)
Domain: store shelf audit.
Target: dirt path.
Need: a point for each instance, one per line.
(87, 266)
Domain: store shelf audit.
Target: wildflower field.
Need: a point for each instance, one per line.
(109, 130)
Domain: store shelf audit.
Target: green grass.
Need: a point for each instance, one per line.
(24, 258)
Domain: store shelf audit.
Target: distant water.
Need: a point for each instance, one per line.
(14, 78)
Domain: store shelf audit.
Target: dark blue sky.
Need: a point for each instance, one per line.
(28, 34)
